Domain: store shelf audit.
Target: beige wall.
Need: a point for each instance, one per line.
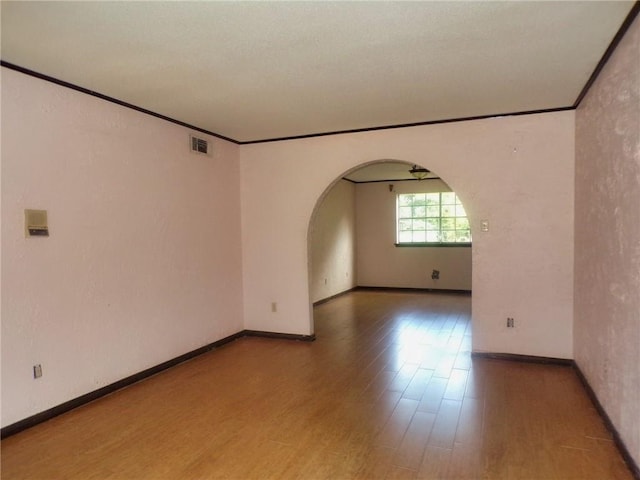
(607, 239)
(381, 264)
(332, 234)
(143, 263)
(517, 172)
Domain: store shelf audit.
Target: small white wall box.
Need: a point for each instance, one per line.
(35, 223)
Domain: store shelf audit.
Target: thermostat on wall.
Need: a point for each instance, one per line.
(35, 223)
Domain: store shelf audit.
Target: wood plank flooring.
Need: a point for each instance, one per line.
(387, 391)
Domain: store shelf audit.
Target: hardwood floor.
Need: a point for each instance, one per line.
(387, 391)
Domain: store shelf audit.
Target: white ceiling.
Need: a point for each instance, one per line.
(262, 70)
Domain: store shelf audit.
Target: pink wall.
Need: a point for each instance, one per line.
(607, 238)
(332, 239)
(516, 172)
(143, 263)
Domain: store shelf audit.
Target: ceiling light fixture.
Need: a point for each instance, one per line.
(419, 172)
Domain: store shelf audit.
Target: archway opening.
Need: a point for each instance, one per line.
(377, 226)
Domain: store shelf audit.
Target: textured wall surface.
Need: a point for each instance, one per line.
(516, 172)
(382, 264)
(607, 238)
(143, 263)
(332, 242)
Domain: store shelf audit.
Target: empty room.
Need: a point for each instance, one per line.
(305, 240)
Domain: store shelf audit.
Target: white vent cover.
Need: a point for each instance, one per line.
(199, 145)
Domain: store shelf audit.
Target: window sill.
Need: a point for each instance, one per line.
(468, 245)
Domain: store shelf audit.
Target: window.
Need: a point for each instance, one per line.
(437, 218)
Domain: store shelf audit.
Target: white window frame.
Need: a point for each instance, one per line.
(424, 222)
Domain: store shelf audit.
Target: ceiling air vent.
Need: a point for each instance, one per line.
(199, 145)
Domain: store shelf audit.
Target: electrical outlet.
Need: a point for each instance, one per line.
(274, 307)
(37, 371)
(510, 322)
(435, 274)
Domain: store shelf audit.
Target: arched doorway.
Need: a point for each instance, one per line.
(409, 233)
